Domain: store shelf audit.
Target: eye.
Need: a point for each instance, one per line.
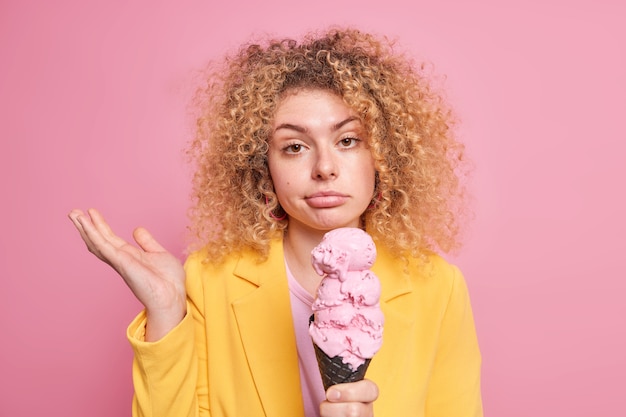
(293, 148)
(349, 142)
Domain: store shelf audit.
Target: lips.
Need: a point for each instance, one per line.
(326, 199)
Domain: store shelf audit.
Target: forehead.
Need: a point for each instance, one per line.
(313, 104)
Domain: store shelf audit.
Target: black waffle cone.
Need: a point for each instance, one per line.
(334, 371)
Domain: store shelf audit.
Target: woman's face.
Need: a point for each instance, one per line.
(322, 169)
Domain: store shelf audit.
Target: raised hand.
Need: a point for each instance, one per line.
(155, 276)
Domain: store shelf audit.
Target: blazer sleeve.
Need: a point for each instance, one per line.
(170, 375)
(454, 387)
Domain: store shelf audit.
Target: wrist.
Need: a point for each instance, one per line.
(160, 322)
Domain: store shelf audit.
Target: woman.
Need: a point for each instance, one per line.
(295, 139)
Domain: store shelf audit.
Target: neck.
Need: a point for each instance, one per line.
(298, 245)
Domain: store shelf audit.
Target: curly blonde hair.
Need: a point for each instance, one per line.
(417, 158)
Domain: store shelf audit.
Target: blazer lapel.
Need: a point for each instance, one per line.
(266, 328)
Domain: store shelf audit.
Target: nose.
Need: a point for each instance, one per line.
(325, 166)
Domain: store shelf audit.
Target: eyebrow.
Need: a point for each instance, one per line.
(301, 129)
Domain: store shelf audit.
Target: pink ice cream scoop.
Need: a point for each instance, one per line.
(348, 322)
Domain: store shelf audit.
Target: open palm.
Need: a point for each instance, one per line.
(154, 275)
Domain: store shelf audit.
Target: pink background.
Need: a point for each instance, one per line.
(93, 114)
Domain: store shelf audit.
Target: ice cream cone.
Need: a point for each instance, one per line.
(334, 371)
(347, 322)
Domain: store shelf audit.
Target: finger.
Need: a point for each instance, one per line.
(90, 235)
(364, 391)
(354, 409)
(146, 241)
(105, 246)
(73, 215)
(104, 229)
(83, 223)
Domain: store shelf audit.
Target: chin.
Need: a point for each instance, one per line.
(336, 224)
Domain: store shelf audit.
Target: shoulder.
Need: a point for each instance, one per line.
(441, 276)
(444, 289)
(429, 282)
(434, 266)
(438, 271)
(199, 263)
(200, 260)
(430, 269)
(239, 269)
(204, 277)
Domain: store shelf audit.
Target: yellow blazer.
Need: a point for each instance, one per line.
(234, 354)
